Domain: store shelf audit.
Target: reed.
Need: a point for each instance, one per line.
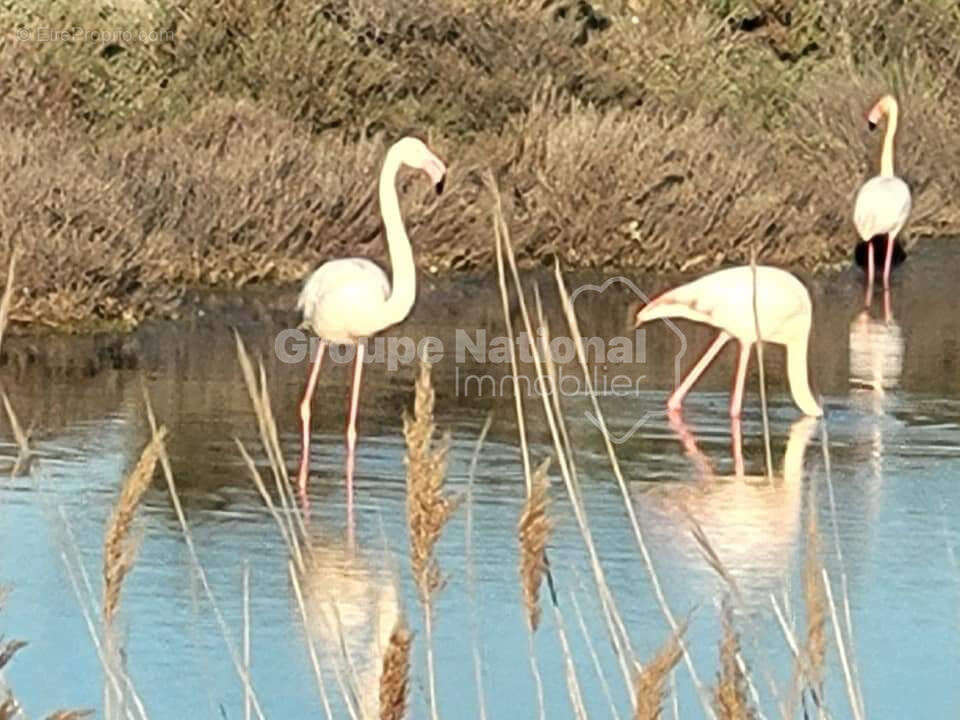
(649, 684)
(24, 453)
(69, 714)
(7, 295)
(119, 550)
(8, 649)
(815, 648)
(395, 678)
(533, 529)
(730, 700)
(428, 507)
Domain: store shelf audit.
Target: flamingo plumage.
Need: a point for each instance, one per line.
(346, 301)
(883, 203)
(725, 300)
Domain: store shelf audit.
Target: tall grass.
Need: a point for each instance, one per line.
(244, 146)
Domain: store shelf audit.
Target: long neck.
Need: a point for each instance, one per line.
(799, 382)
(886, 159)
(404, 285)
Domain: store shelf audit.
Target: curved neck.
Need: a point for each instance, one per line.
(798, 379)
(886, 159)
(404, 283)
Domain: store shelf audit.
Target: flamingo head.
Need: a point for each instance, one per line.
(416, 154)
(884, 106)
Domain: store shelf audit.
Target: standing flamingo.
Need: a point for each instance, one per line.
(724, 299)
(883, 202)
(346, 301)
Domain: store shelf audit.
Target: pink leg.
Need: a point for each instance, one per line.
(736, 401)
(352, 434)
(736, 439)
(690, 445)
(869, 296)
(888, 262)
(887, 308)
(676, 400)
(305, 419)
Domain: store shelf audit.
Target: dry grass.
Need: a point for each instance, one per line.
(244, 147)
(730, 700)
(119, 551)
(533, 529)
(649, 685)
(395, 679)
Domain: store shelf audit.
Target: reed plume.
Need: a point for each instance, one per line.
(533, 529)
(428, 509)
(395, 678)
(9, 649)
(118, 552)
(730, 695)
(648, 684)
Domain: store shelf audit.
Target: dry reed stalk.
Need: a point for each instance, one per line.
(471, 572)
(395, 678)
(235, 656)
(730, 695)
(852, 690)
(246, 636)
(573, 685)
(269, 438)
(649, 684)
(69, 714)
(567, 469)
(532, 530)
(428, 508)
(854, 672)
(314, 661)
(7, 297)
(8, 649)
(9, 709)
(24, 454)
(604, 685)
(768, 455)
(118, 552)
(574, 327)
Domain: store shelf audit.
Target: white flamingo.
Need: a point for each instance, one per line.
(725, 300)
(883, 202)
(346, 301)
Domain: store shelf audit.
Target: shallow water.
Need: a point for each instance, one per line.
(892, 393)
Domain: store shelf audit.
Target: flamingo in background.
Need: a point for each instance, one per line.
(346, 301)
(725, 300)
(883, 202)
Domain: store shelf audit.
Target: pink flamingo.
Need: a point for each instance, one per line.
(724, 299)
(346, 301)
(883, 202)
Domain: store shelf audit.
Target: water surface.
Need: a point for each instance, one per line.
(889, 381)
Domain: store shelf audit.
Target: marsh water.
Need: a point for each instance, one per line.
(887, 513)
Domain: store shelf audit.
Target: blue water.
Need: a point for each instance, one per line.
(892, 394)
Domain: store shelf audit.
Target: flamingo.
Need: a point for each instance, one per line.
(346, 301)
(725, 300)
(883, 202)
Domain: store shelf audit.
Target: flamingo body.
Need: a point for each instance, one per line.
(342, 300)
(725, 300)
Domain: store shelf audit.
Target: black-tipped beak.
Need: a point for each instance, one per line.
(439, 185)
(871, 125)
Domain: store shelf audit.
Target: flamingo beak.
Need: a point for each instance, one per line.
(871, 125)
(437, 172)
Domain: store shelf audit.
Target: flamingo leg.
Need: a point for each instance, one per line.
(736, 440)
(676, 399)
(888, 262)
(305, 419)
(352, 433)
(887, 309)
(690, 445)
(870, 271)
(736, 400)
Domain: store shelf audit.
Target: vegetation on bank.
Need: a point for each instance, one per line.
(147, 146)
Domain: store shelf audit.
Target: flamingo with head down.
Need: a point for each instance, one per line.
(883, 202)
(348, 300)
(725, 300)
